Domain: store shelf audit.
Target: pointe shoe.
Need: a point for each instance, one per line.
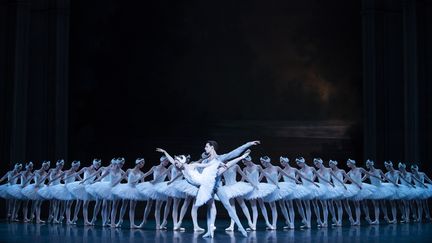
(387, 220)
(368, 220)
(206, 235)
(26, 220)
(324, 225)
(198, 229)
(133, 226)
(376, 222)
(392, 221)
(87, 223)
(230, 229)
(40, 222)
(243, 232)
(339, 224)
(68, 222)
(119, 224)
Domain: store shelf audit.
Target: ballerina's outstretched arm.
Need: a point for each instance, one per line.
(4, 177)
(124, 176)
(233, 162)
(348, 178)
(62, 173)
(244, 177)
(426, 178)
(388, 179)
(17, 175)
(419, 181)
(236, 152)
(335, 177)
(304, 177)
(282, 172)
(26, 181)
(179, 175)
(267, 176)
(404, 179)
(322, 178)
(44, 178)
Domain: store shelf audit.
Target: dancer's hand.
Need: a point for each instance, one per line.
(246, 154)
(160, 150)
(257, 142)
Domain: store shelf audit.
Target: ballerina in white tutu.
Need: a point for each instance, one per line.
(128, 191)
(422, 201)
(236, 190)
(15, 191)
(260, 191)
(149, 190)
(31, 190)
(383, 191)
(45, 192)
(78, 189)
(12, 179)
(299, 192)
(332, 192)
(350, 191)
(104, 189)
(414, 192)
(189, 191)
(60, 191)
(356, 174)
(400, 191)
(316, 192)
(285, 189)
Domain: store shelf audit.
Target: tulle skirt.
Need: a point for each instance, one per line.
(79, 191)
(383, 191)
(3, 191)
(186, 187)
(31, 191)
(427, 192)
(350, 191)
(314, 191)
(170, 190)
(45, 193)
(238, 189)
(297, 191)
(91, 189)
(264, 189)
(127, 191)
(149, 190)
(331, 192)
(61, 192)
(15, 192)
(403, 192)
(364, 193)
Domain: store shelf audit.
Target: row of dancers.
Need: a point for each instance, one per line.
(179, 182)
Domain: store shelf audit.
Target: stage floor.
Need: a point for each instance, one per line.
(32, 233)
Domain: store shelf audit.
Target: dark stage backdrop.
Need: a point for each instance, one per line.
(174, 74)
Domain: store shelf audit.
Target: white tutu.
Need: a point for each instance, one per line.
(403, 192)
(331, 192)
(170, 190)
(3, 191)
(364, 193)
(15, 192)
(31, 192)
(104, 190)
(148, 190)
(314, 191)
(426, 192)
(127, 191)
(264, 189)
(186, 187)
(298, 192)
(351, 191)
(91, 189)
(79, 191)
(61, 192)
(45, 193)
(238, 189)
(384, 191)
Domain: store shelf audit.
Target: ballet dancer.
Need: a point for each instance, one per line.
(15, 191)
(422, 203)
(31, 190)
(12, 179)
(326, 176)
(351, 190)
(78, 190)
(128, 192)
(61, 193)
(392, 176)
